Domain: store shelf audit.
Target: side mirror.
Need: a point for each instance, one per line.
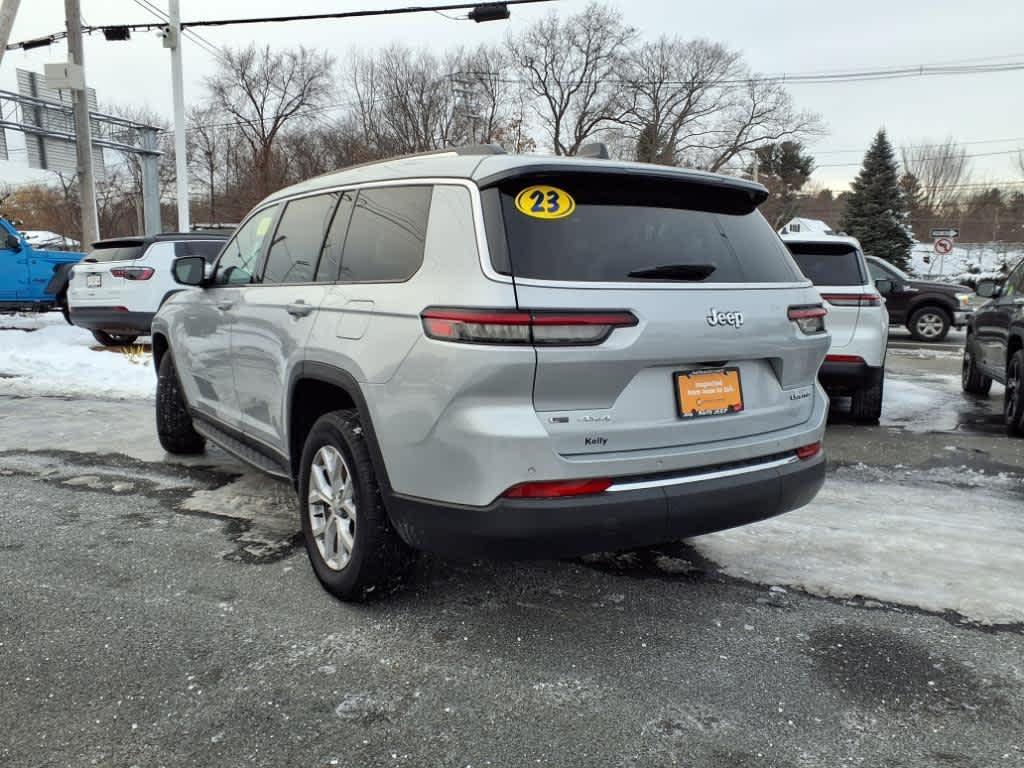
(885, 286)
(12, 242)
(189, 270)
(989, 289)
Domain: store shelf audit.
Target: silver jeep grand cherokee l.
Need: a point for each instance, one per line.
(476, 353)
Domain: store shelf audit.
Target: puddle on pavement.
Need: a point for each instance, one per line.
(931, 403)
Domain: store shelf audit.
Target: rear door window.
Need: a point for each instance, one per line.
(386, 235)
(628, 229)
(828, 264)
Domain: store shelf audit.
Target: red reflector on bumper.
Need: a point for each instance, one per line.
(552, 489)
(808, 451)
(844, 359)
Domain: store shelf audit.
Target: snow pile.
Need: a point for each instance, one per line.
(956, 550)
(42, 355)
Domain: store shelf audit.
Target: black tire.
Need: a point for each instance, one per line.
(379, 559)
(929, 324)
(62, 301)
(866, 404)
(1013, 398)
(113, 339)
(972, 380)
(173, 423)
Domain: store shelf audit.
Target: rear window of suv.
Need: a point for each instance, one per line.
(828, 263)
(635, 229)
(128, 252)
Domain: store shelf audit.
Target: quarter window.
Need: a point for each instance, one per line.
(386, 235)
(295, 249)
(242, 253)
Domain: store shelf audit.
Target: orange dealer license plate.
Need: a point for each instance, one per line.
(708, 392)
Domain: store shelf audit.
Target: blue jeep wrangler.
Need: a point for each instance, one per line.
(32, 279)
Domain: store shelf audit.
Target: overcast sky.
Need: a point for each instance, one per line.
(795, 36)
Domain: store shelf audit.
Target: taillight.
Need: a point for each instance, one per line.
(552, 489)
(133, 273)
(808, 451)
(853, 299)
(810, 319)
(844, 359)
(542, 327)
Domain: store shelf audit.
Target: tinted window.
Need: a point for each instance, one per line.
(243, 251)
(208, 249)
(386, 234)
(116, 253)
(879, 272)
(330, 256)
(826, 264)
(624, 225)
(295, 249)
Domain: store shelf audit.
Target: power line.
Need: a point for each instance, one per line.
(929, 157)
(920, 146)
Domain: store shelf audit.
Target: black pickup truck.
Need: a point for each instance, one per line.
(928, 309)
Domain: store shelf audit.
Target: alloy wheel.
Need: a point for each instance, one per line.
(930, 325)
(332, 507)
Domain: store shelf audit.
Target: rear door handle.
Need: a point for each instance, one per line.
(299, 308)
(224, 306)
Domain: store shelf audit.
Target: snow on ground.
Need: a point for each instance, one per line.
(955, 550)
(928, 402)
(42, 355)
(986, 256)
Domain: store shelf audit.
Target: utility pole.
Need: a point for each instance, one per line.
(83, 135)
(8, 10)
(173, 41)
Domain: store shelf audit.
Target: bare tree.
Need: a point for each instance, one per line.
(573, 68)
(941, 170)
(676, 88)
(758, 112)
(264, 91)
(405, 100)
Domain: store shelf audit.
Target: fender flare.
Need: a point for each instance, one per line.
(932, 299)
(343, 380)
(61, 277)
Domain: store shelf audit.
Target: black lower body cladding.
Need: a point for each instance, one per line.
(542, 528)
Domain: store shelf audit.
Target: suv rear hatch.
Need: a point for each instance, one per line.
(99, 278)
(837, 271)
(710, 286)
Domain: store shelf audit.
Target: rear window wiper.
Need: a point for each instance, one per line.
(674, 272)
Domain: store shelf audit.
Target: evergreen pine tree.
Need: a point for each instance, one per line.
(876, 212)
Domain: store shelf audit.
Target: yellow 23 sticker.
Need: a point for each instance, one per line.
(544, 202)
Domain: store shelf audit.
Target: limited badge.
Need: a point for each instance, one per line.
(544, 202)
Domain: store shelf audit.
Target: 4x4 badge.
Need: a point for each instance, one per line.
(735, 319)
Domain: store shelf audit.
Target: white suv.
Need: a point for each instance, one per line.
(115, 290)
(857, 319)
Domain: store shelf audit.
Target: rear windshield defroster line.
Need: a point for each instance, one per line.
(620, 225)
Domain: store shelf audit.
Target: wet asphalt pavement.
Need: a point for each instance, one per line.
(163, 614)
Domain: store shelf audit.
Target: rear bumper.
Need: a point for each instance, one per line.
(111, 320)
(848, 377)
(640, 515)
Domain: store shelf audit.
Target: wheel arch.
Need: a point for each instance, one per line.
(160, 348)
(931, 301)
(315, 389)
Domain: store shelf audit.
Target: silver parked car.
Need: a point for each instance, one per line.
(475, 353)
